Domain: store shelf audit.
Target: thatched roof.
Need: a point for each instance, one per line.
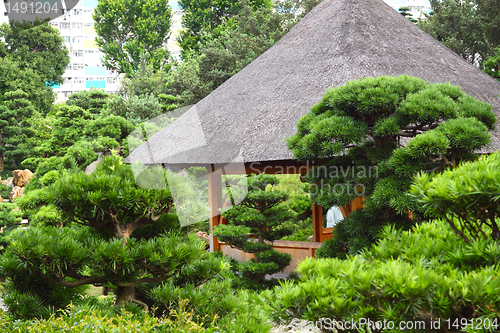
(339, 40)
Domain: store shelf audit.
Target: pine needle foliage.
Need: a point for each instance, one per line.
(373, 136)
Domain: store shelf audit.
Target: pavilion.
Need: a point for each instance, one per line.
(248, 117)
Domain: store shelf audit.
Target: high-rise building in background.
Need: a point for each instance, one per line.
(86, 70)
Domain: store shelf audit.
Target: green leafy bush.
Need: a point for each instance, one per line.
(467, 197)
(76, 319)
(215, 302)
(414, 275)
(136, 109)
(100, 213)
(5, 191)
(92, 100)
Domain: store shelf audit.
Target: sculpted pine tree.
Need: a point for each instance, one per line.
(259, 214)
(361, 131)
(113, 233)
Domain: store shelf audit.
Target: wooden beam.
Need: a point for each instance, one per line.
(317, 220)
(215, 203)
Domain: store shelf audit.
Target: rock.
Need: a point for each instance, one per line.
(202, 234)
(7, 182)
(17, 191)
(21, 177)
(92, 166)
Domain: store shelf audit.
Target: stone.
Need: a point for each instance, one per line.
(203, 235)
(8, 182)
(17, 191)
(21, 177)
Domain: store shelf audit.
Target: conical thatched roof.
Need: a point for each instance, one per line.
(339, 40)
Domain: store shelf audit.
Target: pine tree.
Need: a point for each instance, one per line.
(374, 135)
(260, 214)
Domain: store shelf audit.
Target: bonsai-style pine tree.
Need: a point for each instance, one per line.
(114, 233)
(259, 214)
(374, 135)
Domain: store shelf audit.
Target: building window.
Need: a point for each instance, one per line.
(77, 66)
(67, 39)
(65, 25)
(78, 53)
(77, 12)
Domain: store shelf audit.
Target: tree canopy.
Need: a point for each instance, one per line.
(469, 28)
(38, 47)
(130, 30)
(201, 17)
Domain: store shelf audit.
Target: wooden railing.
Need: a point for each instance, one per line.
(298, 251)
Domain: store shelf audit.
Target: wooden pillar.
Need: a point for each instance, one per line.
(317, 220)
(215, 203)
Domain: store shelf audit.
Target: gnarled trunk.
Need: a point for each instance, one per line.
(124, 294)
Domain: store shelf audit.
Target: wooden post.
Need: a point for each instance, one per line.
(317, 220)
(214, 202)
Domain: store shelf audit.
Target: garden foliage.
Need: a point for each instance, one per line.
(259, 214)
(102, 213)
(373, 136)
(418, 275)
(467, 197)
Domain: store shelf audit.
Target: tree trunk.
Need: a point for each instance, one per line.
(124, 295)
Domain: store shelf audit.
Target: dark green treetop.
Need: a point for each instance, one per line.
(129, 30)
(91, 100)
(14, 115)
(405, 11)
(201, 17)
(469, 28)
(38, 47)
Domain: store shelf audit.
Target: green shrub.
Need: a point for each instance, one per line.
(467, 197)
(409, 275)
(5, 191)
(10, 218)
(260, 213)
(83, 320)
(215, 302)
(136, 109)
